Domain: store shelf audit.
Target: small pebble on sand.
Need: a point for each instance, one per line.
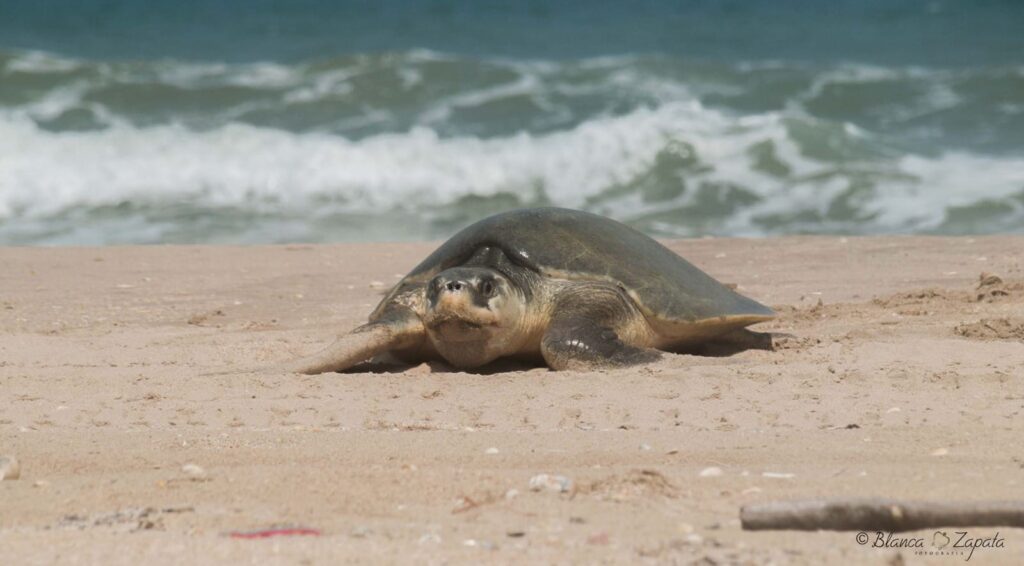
(9, 468)
(711, 472)
(778, 475)
(430, 538)
(548, 482)
(194, 471)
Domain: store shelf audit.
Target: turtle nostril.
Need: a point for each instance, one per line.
(453, 286)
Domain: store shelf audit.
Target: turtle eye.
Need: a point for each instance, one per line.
(487, 288)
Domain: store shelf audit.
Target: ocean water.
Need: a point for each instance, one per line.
(263, 122)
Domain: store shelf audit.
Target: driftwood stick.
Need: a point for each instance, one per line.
(879, 515)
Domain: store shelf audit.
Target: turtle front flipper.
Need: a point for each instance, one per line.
(595, 326)
(398, 329)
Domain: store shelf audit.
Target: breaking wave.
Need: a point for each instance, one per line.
(412, 145)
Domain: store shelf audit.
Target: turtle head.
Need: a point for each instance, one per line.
(474, 315)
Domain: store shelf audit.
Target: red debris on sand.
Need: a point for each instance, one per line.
(267, 533)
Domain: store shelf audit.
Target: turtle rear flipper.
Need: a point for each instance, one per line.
(587, 330)
(398, 329)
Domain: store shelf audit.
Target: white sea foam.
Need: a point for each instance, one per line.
(45, 173)
(525, 85)
(599, 127)
(41, 62)
(331, 83)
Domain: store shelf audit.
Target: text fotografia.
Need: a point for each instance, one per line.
(942, 543)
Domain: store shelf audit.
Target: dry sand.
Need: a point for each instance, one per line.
(906, 380)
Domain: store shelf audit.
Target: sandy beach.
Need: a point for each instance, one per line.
(905, 379)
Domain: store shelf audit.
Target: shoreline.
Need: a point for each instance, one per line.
(895, 386)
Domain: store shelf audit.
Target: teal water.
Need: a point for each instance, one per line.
(146, 122)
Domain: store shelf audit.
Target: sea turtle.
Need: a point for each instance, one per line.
(577, 290)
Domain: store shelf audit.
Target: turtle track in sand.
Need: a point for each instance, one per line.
(990, 295)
